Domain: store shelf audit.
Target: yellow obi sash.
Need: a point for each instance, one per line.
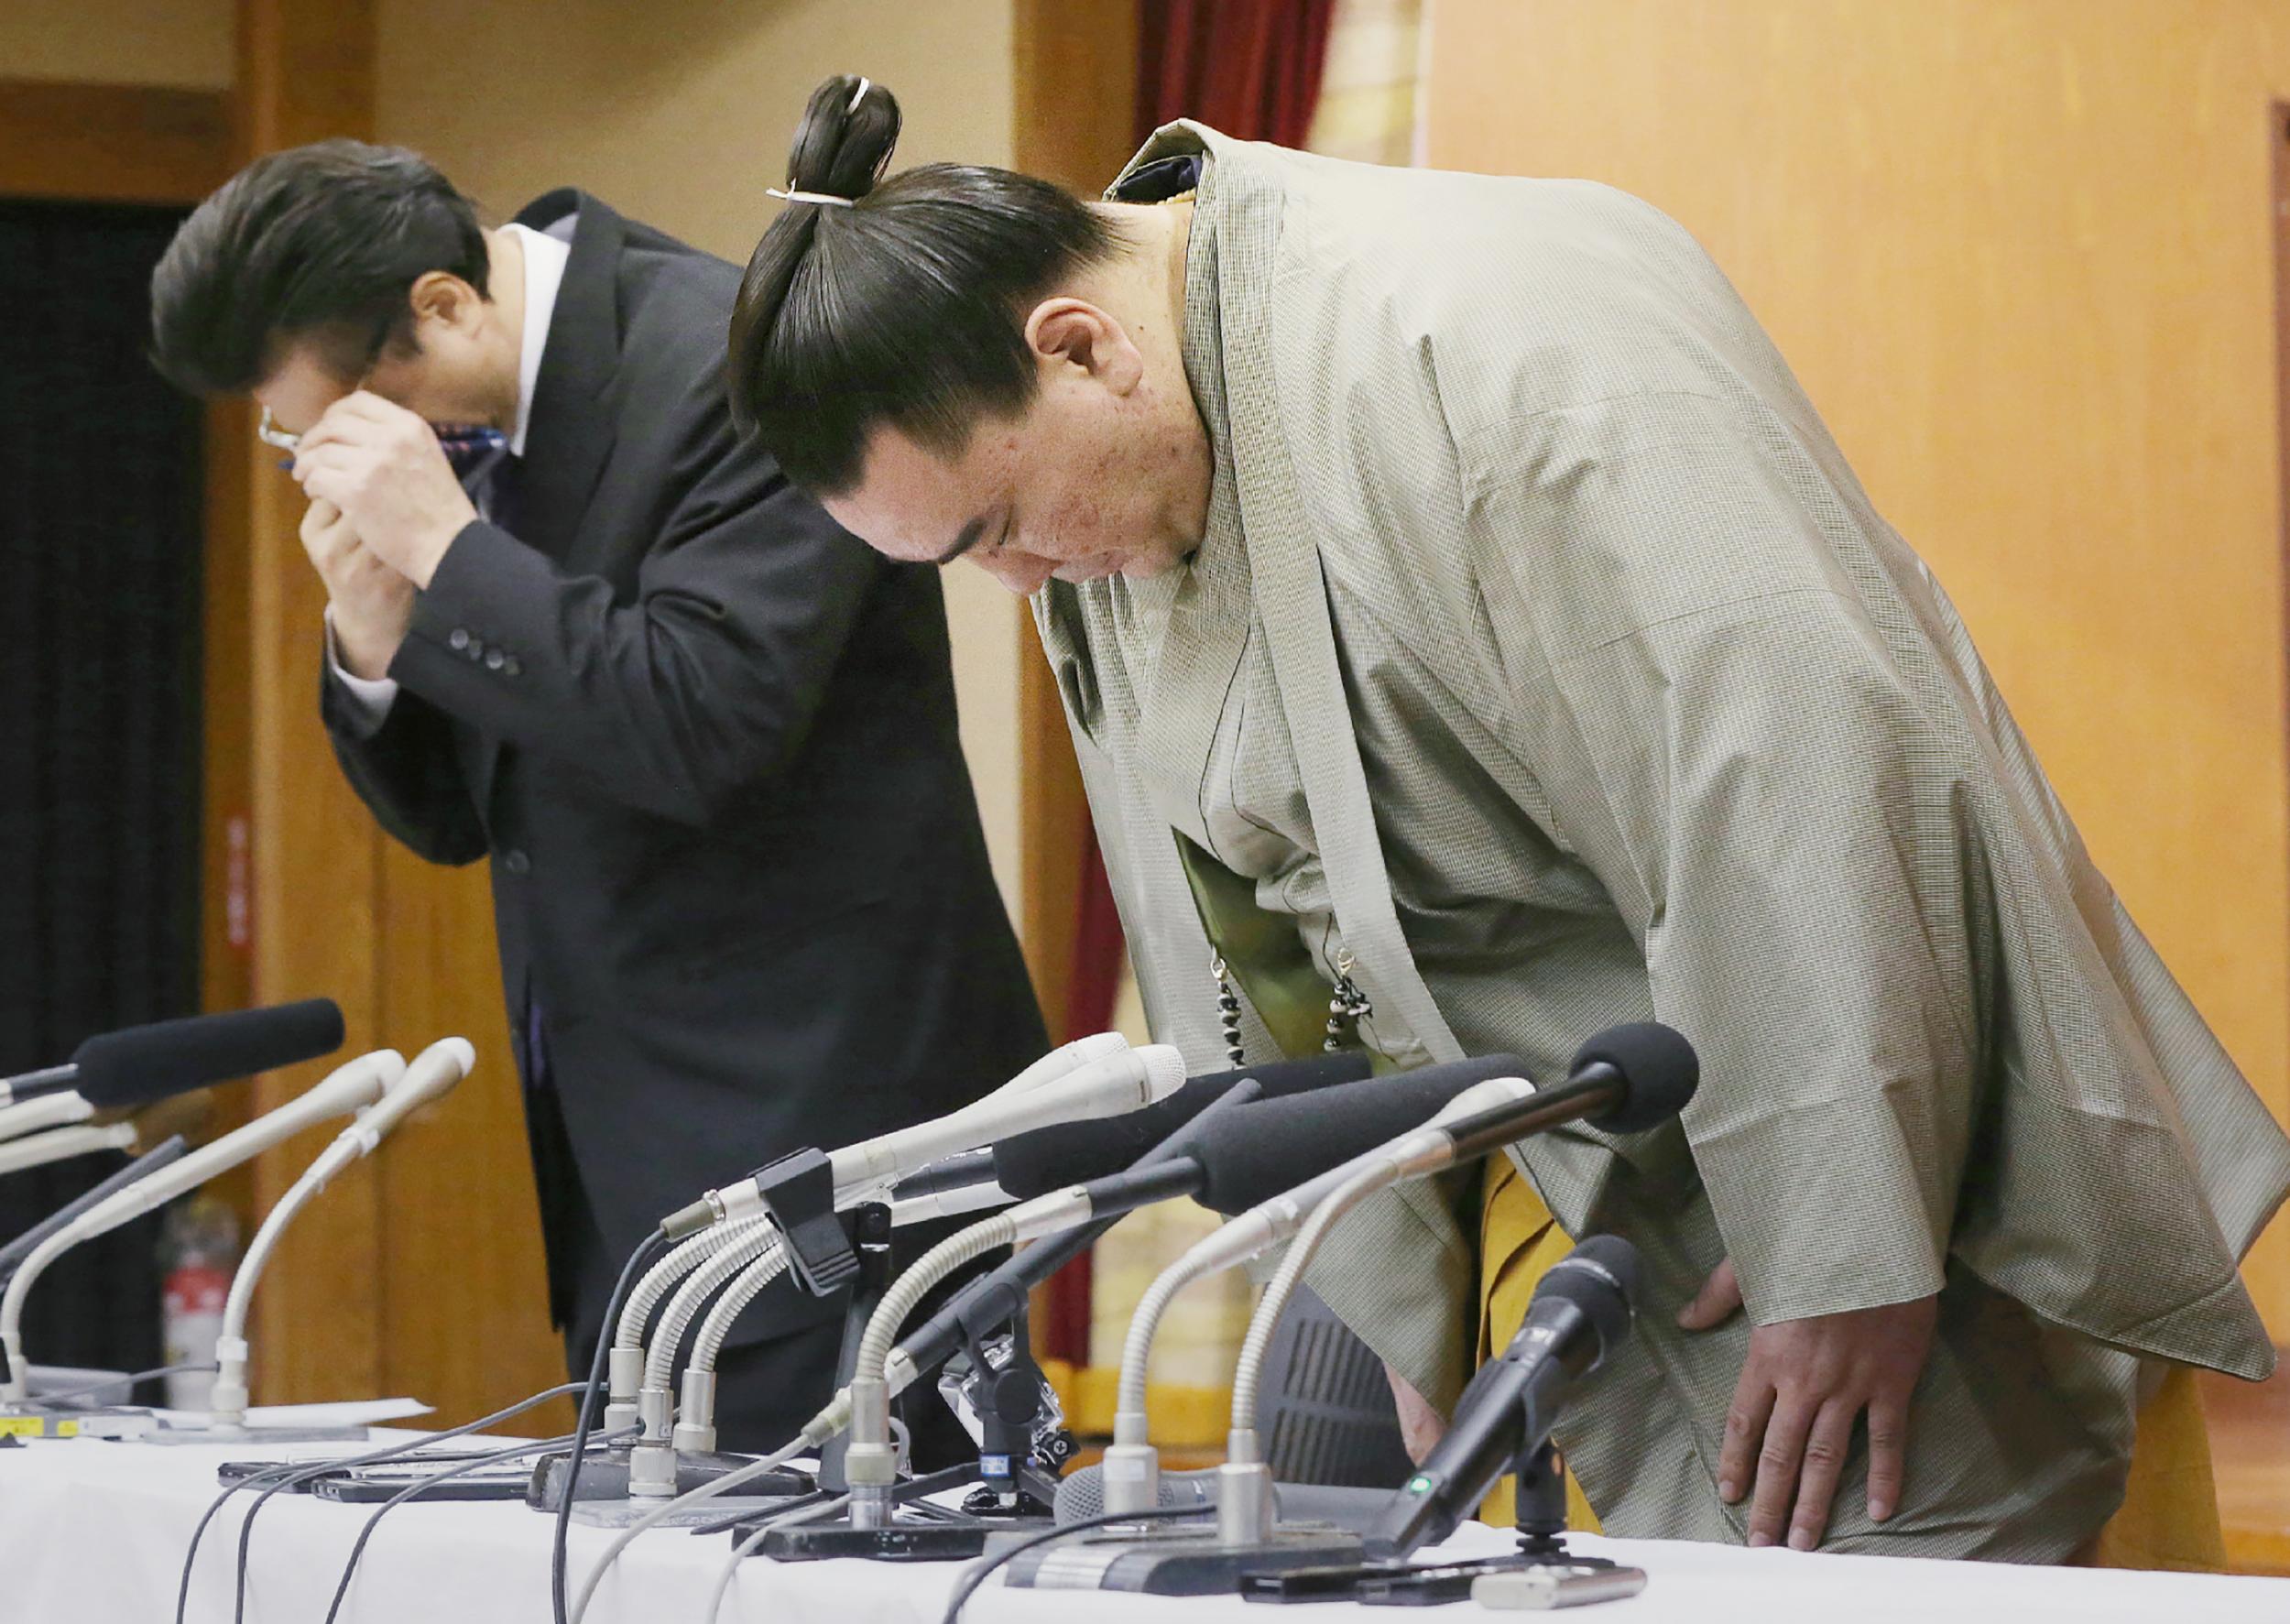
(2169, 1517)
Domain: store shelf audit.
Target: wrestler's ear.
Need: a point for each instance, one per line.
(1074, 340)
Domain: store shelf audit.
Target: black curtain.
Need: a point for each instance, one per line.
(100, 568)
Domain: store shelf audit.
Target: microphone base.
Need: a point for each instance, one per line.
(1166, 1561)
(604, 1476)
(904, 1541)
(705, 1514)
(102, 1421)
(255, 1433)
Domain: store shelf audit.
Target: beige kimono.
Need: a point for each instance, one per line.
(1545, 659)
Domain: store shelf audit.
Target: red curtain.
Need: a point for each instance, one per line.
(1251, 69)
(1089, 1000)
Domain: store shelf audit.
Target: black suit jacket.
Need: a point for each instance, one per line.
(708, 740)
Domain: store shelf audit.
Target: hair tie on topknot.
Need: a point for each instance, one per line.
(812, 197)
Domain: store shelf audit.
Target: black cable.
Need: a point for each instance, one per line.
(646, 1250)
(350, 1568)
(944, 1478)
(291, 1473)
(976, 1576)
(130, 1381)
(247, 1528)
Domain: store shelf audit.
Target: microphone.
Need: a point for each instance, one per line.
(60, 1144)
(433, 1072)
(1107, 1086)
(1624, 1080)
(49, 1110)
(139, 1064)
(1630, 1077)
(1050, 1158)
(1277, 1145)
(358, 1083)
(1277, 1141)
(162, 1155)
(1581, 1312)
(1082, 1494)
(186, 1114)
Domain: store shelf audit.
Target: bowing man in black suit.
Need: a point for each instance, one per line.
(576, 626)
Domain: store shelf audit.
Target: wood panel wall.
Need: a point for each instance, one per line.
(419, 1271)
(2020, 252)
(1075, 92)
(304, 73)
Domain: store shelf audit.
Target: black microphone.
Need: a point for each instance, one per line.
(1581, 1312)
(1325, 1127)
(973, 1311)
(947, 1174)
(1030, 1164)
(1274, 1145)
(141, 1064)
(1624, 1080)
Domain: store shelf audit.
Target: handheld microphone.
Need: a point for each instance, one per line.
(434, 1072)
(1581, 1312)
(359, 1082)
(139, 1064)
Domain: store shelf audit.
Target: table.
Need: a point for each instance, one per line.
(93, 1532)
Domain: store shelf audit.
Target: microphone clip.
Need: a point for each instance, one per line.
(797, 1190)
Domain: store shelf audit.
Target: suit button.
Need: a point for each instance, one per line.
(459, 640)
(494, 660)
(512, 668)
(476, 650)
(517, 862)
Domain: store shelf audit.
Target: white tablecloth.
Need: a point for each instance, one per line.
(93, 1532)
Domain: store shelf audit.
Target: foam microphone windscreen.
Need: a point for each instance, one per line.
(1600, 1277)
(1660, 1072)
(1049, 1159)
(142, 1063)
(1254, 1153)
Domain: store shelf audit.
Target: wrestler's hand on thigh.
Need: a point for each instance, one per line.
(1803, 1386)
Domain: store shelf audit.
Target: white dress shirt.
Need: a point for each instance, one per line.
(545, 257)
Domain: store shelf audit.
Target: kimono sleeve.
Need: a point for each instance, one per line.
(1728, 736)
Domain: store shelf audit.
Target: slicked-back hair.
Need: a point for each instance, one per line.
(320, 244)
(901, 302)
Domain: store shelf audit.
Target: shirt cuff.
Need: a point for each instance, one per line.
(368, 698)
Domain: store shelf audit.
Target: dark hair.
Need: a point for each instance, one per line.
(906, 309)
(320, 242)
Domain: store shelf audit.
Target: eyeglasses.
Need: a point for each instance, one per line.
(267, 430)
